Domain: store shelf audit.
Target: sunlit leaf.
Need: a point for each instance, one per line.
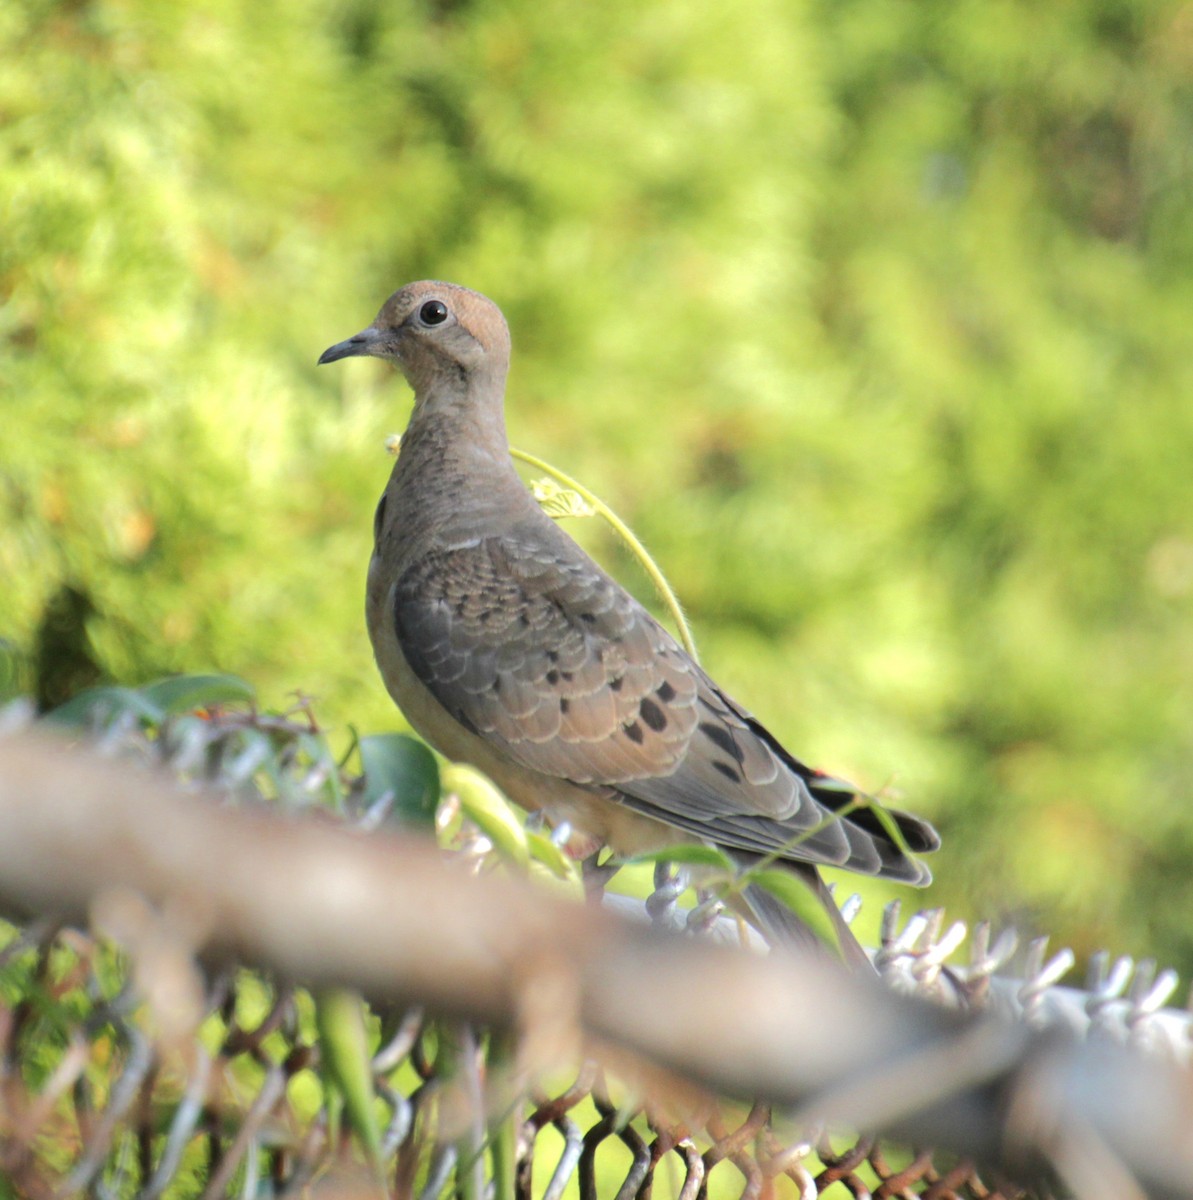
(554, 863)
(488, 809)
(690, 854)
(340, 1018)
(549, 854)
(571, 888)
(557, 501)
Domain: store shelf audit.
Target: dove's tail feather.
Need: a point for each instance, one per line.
(921, 838)
(918, 836)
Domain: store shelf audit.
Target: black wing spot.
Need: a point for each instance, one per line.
(564, 705)
(723, 739)
(552, 656)
(665, 692)
(729, 772)
(524, 620)
(652, 714)
(615, 684)
(588, 618)
(553, 677)
(496, 683)
(634, 732)
(566, 676)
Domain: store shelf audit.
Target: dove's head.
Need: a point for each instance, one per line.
(441, 336)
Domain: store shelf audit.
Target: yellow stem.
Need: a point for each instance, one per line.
(626, 534)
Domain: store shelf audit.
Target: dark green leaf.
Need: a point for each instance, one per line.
(185, 693)
(401, 764)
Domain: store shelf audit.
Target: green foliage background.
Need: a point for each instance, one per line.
(874, 317)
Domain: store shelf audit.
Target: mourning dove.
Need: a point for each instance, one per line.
(507, 647)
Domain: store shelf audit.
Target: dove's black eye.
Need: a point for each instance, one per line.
(434, 312)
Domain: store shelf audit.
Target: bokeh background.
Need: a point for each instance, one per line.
(874, 318)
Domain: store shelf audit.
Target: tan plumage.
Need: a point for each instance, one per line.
(506, 646)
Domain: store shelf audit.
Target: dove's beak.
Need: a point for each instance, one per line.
(367, 342)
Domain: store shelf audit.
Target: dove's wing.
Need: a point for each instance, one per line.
(528, 643)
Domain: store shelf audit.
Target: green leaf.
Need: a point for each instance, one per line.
(801, 899)
(550, 855)
(340, 1019)
(185, 693)
(503, 1132)
(567, 889)
(107, 702)
(553, 865)
(489, 810)
(399, 763)
(691, 854)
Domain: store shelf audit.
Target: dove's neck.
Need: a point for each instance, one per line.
(454, 471)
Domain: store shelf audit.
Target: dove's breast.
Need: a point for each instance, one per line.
(594, 819)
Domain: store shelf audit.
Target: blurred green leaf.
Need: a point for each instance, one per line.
(184, 693)
(800, 898)
(107, 703)
(340, 1018)
(406, 767)
(489, 810)
(691, 854)
(550, 855)
(554, 866)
